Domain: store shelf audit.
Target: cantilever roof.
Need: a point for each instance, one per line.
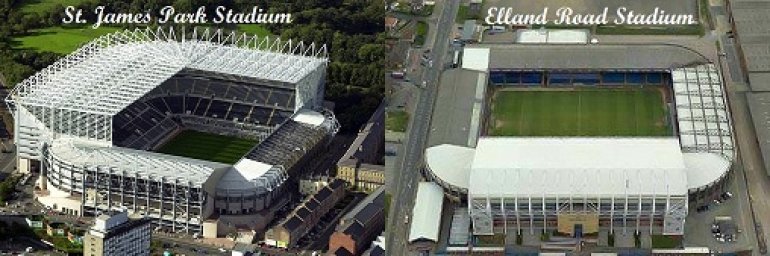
(569, 166)
(135, 162)
(249, 174)
(111, 72)
(571, 153)
(309, 117)
(705, 168)
(452, 164)
(591, 57)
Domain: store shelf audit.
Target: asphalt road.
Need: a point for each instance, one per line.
(410, 160)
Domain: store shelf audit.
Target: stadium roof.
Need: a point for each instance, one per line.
(450, 163)
(591, 57)
(265, 166)
(552, 36)
(701, 110)
(553, 166)
(135, 162)
(426, 219)
(250, 174)
(561, 166)
(293, 139)
(309, 117)
(476, 58)
(703, 169)
(570, 153)
(112, 71)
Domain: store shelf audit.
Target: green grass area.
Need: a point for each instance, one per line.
(579, 112)
(666, 242)
(696, 30)
(421, 31)
(462, 14)
(425, 11)
(405, 8)
(387, 203)
(42, 6)
(465, 13)
(705, 13)
(493, 240)
(206, 146)
(254, 29)
(62, 40)
(60, 242)
(397, 121)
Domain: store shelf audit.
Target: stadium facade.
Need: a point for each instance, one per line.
(91, 120)
(581, 184)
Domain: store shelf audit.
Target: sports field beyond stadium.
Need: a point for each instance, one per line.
(206, 146)
(580, 112)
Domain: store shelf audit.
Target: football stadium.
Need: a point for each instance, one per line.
(200, 130)
(578, 138)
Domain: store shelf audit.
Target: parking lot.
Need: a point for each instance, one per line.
(724, 229)
(702, 215)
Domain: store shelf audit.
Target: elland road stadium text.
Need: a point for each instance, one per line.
(167, 14)
(566, 16)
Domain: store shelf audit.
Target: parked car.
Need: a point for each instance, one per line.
(726, 195)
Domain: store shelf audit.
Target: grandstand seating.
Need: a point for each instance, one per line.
(561, 79)
(161, 110)
(238, 112)
(287, 145)
(140, 125)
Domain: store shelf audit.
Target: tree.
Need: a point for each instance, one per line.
(183, 6)
(14, 72)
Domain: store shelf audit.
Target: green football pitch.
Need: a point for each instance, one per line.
(206, 146)
(580, 112)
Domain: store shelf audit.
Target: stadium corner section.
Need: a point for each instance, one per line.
(88, 121)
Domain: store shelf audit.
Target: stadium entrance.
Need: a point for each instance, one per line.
(578, 224)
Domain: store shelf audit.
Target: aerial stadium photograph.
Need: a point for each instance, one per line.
(140, 137)
(514, 132)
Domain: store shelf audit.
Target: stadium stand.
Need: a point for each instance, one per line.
(135, 88)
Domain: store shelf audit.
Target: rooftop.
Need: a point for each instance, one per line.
(114, 70)
(377, 197)
(451, 163)
(594, 57)
(578, 165)
(248, 174)
(759, 104)
(142, 163)
(426, 214)
(753, 34)
(355, 229)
